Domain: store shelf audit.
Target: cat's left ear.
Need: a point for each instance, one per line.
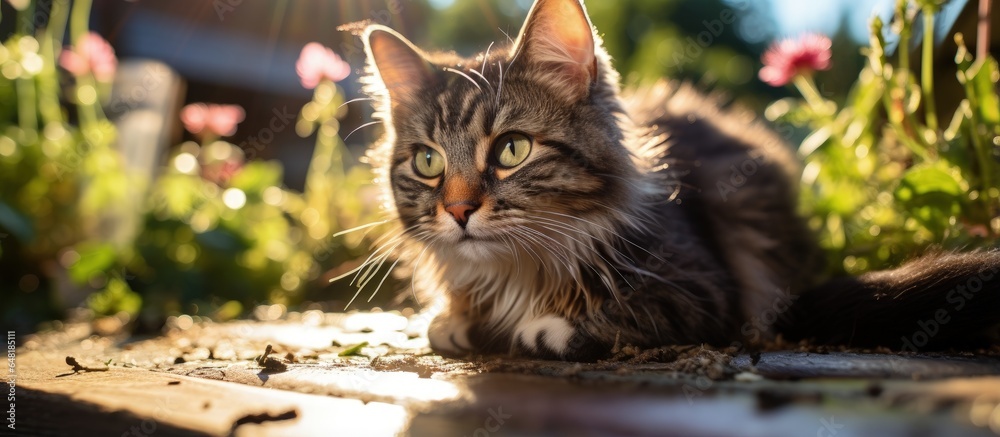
(403, 69)
(558, 39)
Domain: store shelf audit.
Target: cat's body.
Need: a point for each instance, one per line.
(558, 217)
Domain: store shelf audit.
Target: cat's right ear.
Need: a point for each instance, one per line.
(559, 39)
(402, 68)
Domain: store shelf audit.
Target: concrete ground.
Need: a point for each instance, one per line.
(369, 374)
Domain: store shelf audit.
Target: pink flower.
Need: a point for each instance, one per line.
(317, 63)
(789, 58)
(92, 54)
(220, 120)
(19, 5)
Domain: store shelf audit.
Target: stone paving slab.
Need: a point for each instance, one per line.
(797, 365)
(132, 401)
(208, 379)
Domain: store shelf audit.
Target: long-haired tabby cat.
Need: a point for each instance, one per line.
(559, 215)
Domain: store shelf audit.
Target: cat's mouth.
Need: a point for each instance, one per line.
(470, 237)
(474, 246)
(468, 234)
(475, 233)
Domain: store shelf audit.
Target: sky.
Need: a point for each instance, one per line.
(795, 17)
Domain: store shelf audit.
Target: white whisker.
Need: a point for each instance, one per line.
(487, 55)
(507, 35)
(527, 247)
(483, 77)
(375, 266)
(607, 282)
(365, 263)
(342, 276)
(513, 252)
(452, 70)
(413, 275)
(500, 89)
(371, 262)
(569, 227)
(361, 127)
(359, 99)
(379, 287)
(358, 228)
(398, 234)
(592, 249)
(565, 257)
(612, 231)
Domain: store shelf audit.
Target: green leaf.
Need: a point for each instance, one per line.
(932, 194)
(927, 179)
(865, 96)
(117, 296)
(876, 46)
(959, 121)
(958, 143)
(16, 223)
(257, 176)
(94, 259)
(179, 194)
(353, 350)
(983, 78)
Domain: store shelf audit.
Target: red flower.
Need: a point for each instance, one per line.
(220, 120)
(789, 58)
(92, 54)
(317, 63)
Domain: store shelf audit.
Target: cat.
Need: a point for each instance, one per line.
(555, 215)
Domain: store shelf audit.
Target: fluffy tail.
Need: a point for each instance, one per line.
(947, 300)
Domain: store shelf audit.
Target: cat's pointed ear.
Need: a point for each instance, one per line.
(402, 68)
(558, 37)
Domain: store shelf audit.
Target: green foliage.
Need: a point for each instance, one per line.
(701, 41)
(204, 245)
(216, 234)
(115, 297)
(881, 181)
(59, 181)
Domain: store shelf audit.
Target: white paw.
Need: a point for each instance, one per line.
(449, 335)
(555, 332)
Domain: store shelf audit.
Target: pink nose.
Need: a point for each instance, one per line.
(461, 211)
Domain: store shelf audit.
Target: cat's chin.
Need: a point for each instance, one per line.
(477, 248)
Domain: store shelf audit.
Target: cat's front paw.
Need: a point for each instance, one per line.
(548, 336)
(449, 335)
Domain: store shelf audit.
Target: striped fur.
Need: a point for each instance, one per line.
(646, 217)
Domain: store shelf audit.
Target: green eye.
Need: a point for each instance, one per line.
(428, 162)
(512, 149)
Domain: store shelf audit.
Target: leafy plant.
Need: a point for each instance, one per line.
(216, 232)
(59, 181)
(884, 179)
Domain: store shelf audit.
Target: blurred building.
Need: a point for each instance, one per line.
(241, 52)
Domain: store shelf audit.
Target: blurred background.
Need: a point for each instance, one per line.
(235, 52)
(245, 53)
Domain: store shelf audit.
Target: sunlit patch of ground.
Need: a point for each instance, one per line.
(377, 369)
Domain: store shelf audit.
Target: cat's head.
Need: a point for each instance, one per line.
(522, 136)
